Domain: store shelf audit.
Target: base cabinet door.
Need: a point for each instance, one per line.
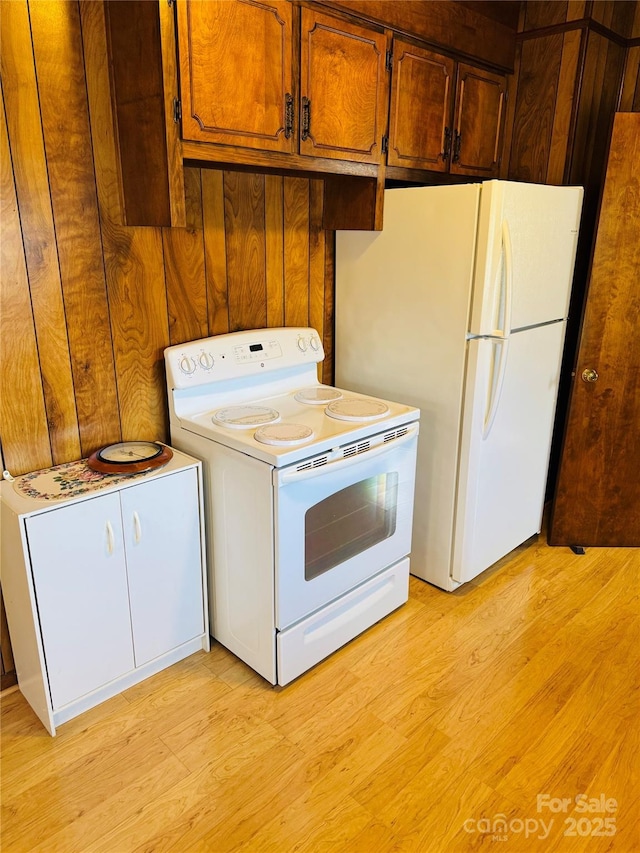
(162, 540)
(80, 580)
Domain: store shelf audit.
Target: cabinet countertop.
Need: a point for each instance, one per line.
(44, 490)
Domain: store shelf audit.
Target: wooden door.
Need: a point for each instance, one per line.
(162, 539)
(236, 72)
(420, 118)
(597, 497)
(479, 122)
(343, 89)
(80, 579)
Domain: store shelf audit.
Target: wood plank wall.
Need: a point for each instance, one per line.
(88, 305)
(567, 84)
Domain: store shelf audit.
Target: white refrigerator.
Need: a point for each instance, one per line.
(458, 306)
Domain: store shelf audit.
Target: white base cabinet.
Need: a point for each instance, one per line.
(104, 589)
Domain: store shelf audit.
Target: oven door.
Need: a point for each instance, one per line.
(342, 519)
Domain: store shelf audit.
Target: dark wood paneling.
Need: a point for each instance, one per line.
(38, 236)
(274, 225)
(535, 108)
(296, 251)
(561, 134)
(139, 327)
(456, 26)
(215, 251)
(134, 31)
(539, 15)
(630, 95)
(604, 64)
(317, 251)
(75, 214)
(616, 15)
(22, 410)
(184, 269)
(245, 238)
(505, 12)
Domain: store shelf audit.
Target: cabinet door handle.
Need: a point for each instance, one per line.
(137, 528)
(457, 139)
(306, 118)
(110, 539)
(446, 149)
(288, 115)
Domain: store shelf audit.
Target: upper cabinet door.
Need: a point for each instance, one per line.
(421, 97)
(343, 89)
(236, 72)
(479, 122)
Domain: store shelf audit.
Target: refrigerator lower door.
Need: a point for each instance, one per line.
(508, 416)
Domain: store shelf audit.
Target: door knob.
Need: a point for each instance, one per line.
(589, 375)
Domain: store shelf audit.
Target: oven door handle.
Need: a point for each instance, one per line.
(330, 467)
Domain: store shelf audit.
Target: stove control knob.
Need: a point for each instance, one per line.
(302, 344)
(187, 365)
(206, 360)
(315, 343)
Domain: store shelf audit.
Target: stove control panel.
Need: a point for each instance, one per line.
(239, 355)
(257, 351)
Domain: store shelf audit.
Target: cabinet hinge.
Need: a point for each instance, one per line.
(385, 144)
(177, 110)
(171, 3)
(389, 60)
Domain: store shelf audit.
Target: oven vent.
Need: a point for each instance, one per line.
(312, 463)
(396, 433)
(354, 449)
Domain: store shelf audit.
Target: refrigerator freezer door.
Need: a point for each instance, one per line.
(527, 236)
(506, 436)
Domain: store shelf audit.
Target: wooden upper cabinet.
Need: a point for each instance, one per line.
(420, 129)
(343, 89)
(479, 122)
(236, 73)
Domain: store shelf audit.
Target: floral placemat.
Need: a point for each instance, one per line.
(67, 481)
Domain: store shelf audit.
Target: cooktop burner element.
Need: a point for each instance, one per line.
(284, 434)
(355, 409)
(319, 396)
(246, 417)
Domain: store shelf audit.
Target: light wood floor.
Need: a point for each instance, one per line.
(456, 710)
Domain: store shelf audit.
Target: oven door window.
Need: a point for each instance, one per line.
(348, 522)
(339, 524)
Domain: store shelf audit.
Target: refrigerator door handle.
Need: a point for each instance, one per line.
(496, 382)
(508, 276)
(506, 286)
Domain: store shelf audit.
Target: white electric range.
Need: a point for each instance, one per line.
(308, 495)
